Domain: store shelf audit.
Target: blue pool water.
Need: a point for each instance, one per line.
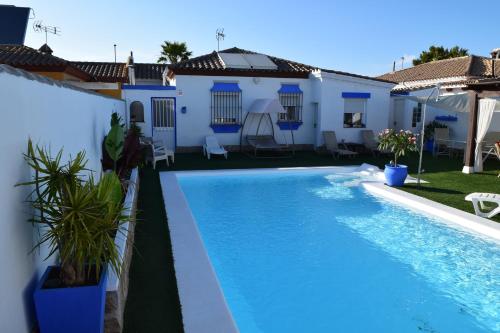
(314, 252)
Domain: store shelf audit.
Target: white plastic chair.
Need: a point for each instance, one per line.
(159, 152)
(212, 147)
(478, 201)
(441, 141)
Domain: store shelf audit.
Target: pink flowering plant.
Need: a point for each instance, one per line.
(398, 142)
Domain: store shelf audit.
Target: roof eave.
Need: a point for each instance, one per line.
(242, 73)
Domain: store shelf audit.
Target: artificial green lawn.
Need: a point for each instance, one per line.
(153, 302)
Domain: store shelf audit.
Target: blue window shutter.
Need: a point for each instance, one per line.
(290, 89)
(225, 87)
(355, 95)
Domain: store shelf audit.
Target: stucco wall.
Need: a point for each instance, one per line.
(323, 107)
(56, 117)
(144, 96)
(194, 94)
(331, 106)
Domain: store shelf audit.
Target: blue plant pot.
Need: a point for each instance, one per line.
(75, 310)
(429, 145)
(395, 175)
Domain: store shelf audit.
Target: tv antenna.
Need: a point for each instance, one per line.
(219, 35)
(39, 27)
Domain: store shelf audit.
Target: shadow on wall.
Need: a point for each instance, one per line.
(25, 237)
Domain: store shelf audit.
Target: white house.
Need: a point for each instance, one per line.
(454, 76)
(212, 94)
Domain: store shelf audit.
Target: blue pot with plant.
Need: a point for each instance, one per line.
(79, 218)
(399, 143)
(429, 134)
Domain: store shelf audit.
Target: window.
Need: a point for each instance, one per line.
(136, 112)
(291, 99)
(225, 104)
(417, 115)
(355, 112)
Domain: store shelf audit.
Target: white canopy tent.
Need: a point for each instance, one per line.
(266, 105)
(453, 102)
(460, 103)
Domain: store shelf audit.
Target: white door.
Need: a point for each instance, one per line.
(163, 115)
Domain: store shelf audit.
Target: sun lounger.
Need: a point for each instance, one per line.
(265, 142)
(212, 147)
(371, 143)
(479, 201)
(333, 147)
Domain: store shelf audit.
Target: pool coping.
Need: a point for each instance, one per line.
(203, 305)
(451, 216)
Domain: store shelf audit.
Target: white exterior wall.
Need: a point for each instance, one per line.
(194, 94)
(144, 96)
(323, 107)
(50, 115)
(331, 105)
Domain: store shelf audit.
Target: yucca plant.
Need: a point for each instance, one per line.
(79, 215)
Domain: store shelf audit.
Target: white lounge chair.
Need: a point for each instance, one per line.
(489, 145)
(479, 202)
(371, 143)
(333, 147)
(212, 147)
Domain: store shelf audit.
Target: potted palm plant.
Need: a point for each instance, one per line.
(78, 218)
(399, 143)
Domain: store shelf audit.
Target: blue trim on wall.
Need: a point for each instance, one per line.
(290, 89)
(403, 93)
(355, 95)
(446, 118)
(289, 125)
(147, 87)
(225, 128)
(225, 87)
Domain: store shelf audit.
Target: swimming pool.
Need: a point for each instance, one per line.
(313, 251)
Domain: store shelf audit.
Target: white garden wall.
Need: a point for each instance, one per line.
(56, 116)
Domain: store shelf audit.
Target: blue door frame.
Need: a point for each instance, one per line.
(175, 117)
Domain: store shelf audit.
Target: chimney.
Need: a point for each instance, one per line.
(495, 53)
(130, 68)
(45, 49)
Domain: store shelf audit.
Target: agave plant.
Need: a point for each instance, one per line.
(81, 216)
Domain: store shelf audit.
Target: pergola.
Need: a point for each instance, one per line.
(477, 91)
(480, 99)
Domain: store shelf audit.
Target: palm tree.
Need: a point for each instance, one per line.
(174, 52)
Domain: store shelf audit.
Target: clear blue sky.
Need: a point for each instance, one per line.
(362, 37)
